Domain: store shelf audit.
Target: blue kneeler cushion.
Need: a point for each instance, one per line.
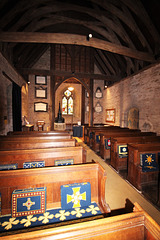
(75, 195)
(75, 204)
(122, 151)
(107, 143)
(51, 216)
(148, 162)
(28, 201)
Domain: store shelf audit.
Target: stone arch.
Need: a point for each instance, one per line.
(74, 78)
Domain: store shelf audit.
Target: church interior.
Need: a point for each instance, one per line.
(79, 119)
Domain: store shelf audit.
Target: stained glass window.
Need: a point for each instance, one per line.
(67, 103)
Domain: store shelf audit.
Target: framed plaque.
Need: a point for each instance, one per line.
(110, 115)
(40, 107)
(98, 108)
(40, 92)
(40, 80)
(98, 93)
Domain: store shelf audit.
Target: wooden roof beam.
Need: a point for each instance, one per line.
(62, 38)
(65, 74)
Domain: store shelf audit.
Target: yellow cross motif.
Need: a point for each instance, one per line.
(28, 204)
(76, 197)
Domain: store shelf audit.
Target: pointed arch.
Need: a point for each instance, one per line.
(78, 80)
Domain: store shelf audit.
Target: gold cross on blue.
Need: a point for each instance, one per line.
(76, 197)
(28, 204)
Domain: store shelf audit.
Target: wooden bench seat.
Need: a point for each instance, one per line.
(89, 130)
(95, 140)
(53, 178)
(34, 137)
(38, 133)
(135, 225)
(119, 151)
(97, 134)
(33, 143)
(136, 175)
(50, 157)
(105, 139)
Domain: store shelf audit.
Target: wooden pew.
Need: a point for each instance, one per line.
(89, 130)
(119, 161)
(105, 138)
(53, 178)
(38, 133)
(33, 143)
(135, 225)
(97, 134)
(136, 175)
(34, 137)
(51, 156)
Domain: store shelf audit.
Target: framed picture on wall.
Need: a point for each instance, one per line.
(110, 115)
(98, 107)
(40, 80)
(98, 93)
(40, 92)
(40, 107)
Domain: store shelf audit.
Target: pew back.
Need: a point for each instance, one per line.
(33, 143)
(105, 137)
(33, 137)
(136, 175)
(89, 130)
(38, 133)
(50, 156)
(119, 150)
(53, 178)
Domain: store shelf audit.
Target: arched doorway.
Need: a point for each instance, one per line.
(79, 100)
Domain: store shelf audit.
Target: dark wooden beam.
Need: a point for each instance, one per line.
(65, 74)
(62, 38)
(52, 86)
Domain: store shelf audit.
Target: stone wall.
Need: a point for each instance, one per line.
(8, 75)
(98, 116)
(140, 91)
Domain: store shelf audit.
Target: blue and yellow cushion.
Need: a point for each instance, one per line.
(63, 162)
(122, 151)
(148, 162)
(51, 216)
(34, 164)
(75, 195)
(28, 201)
(9, 166)
(107, 143)
(98, 138)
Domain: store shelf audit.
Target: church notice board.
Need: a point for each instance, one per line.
(110, 115)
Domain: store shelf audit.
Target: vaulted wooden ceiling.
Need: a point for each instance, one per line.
(126, 33)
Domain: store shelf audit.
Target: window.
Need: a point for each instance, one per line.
(67, 103)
